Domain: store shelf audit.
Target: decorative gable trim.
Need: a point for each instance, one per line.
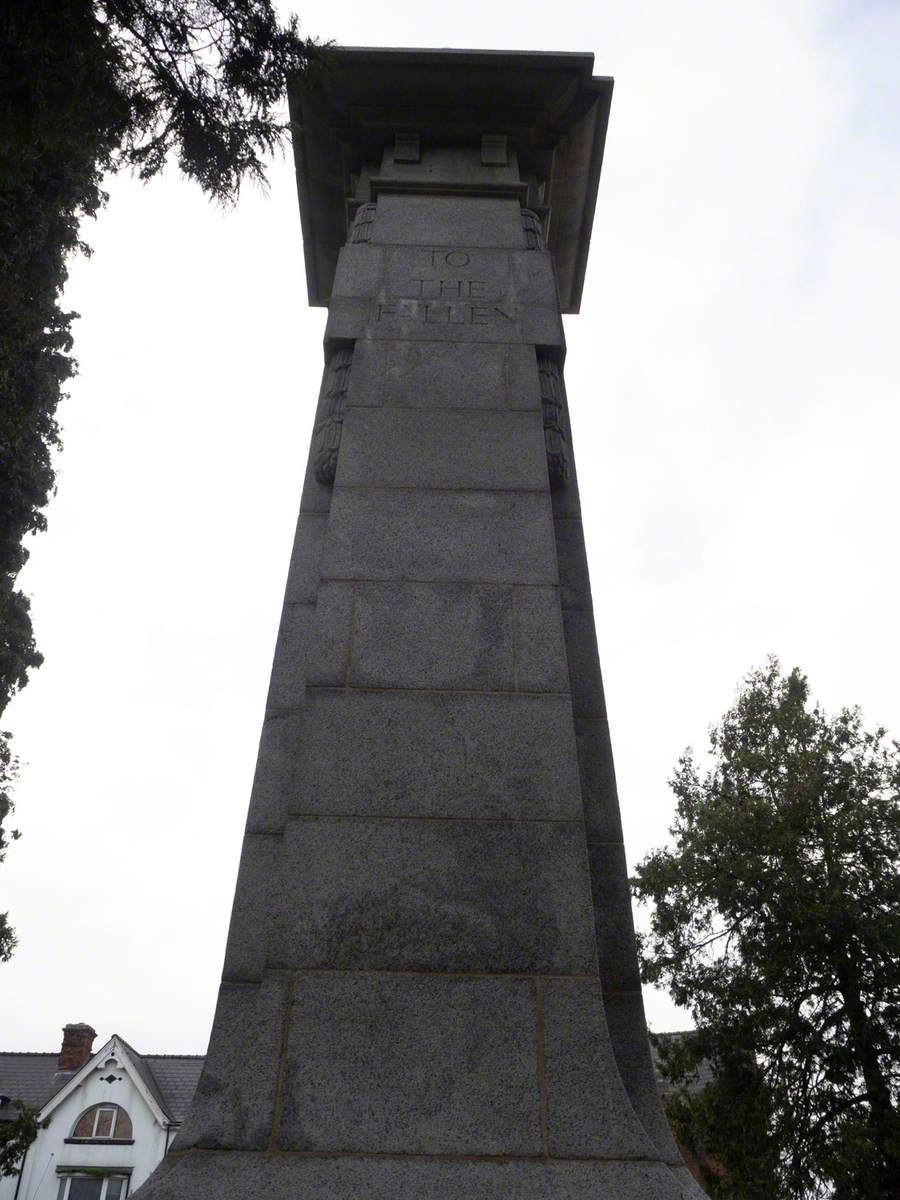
(118, 1049)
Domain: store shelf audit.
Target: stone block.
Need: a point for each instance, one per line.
(360, 271)
(288, 680)
(365, 386)
(588, 1112)
(522, 382)
(533, 280)
(440, 375)
(616, 947)
(574, 581)
(234, 1104)
(628, 1035)
(541, 325)
(449, 221)
(540, 649)
(303, 573)
(584, 664)
(274, 779)
(395, 447)
(411, 1065)
(348, 319)
(598, 780)
(431, 635)
(566, 500)
(487, 537)
(285, 1177)
(436, 755)
(434, 896)
(436, 375)
(255, 897)
(328, 660)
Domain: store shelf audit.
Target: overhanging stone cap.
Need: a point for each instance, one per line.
(551, 108)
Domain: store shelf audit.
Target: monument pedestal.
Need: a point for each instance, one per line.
(430, 988)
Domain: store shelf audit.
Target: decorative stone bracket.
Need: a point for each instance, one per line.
(327, 437)
(554, 436)
(361, 230)
(534, 231)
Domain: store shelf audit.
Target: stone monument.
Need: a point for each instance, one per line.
(430, 988)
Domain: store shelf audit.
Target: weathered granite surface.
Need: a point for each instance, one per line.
(280, 1176)
(430, 987)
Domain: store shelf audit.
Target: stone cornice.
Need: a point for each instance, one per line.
(551, 109)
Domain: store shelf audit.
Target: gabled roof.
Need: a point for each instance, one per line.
(31, 1078)
(177, 1076)
(170, 1079)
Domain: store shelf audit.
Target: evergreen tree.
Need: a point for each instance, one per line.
(87, 88)
(775, 922)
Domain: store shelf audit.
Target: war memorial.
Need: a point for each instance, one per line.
(430, 988)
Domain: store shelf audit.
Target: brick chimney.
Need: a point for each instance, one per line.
(77, 1043)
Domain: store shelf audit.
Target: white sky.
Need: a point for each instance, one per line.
(733, 379)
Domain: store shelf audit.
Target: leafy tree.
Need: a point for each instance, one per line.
(775, 921)
(89, 87)
(16, 1135)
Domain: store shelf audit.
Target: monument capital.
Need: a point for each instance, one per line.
(538, 118)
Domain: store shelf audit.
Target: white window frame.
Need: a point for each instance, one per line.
(94, 1136)
(66, 1183)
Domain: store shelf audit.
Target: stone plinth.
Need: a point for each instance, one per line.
(430, 988)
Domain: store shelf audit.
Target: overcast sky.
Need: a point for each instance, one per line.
(733, 380)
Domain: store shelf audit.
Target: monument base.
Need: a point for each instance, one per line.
(279, 1176)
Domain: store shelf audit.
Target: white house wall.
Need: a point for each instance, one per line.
(40, 1180)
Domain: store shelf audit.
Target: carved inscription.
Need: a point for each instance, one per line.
(444, 289)
(450, 289)
(442, 313)
(554, 437)
(327, 437)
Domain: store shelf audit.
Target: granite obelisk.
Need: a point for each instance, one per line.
(430, 988)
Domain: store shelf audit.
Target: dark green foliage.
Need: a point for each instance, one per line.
(724, 1122)
(776, 922)
(16, 1135)
(9, 769)
(86, 89)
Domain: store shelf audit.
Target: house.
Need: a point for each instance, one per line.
(113, 1114)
